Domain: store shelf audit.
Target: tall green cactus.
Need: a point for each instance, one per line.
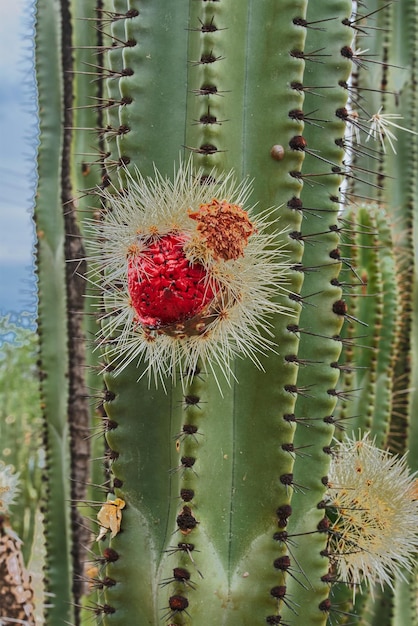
(218, 505)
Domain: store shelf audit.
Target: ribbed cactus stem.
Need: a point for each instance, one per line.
(52, 317)
(323, 312)
(373, 305)
(221, 460)
(402, 200)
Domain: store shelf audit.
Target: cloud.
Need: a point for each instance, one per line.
(17, 155)
(11, 32)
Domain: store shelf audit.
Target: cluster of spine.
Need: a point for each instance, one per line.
(323, 309)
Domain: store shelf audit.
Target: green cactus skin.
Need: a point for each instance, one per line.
(86, 173)
(218, 539)
(234, 562)
(323, 312)
(390, 607)
(52, 318)
(61, 287)
(405, 600)
(78, 410)
(160, 75)
(401, 196)
(369, 366)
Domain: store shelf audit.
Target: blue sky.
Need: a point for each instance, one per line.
(17, 157)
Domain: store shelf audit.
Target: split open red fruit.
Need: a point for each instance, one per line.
(165, 288)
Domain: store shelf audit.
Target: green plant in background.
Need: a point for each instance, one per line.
(20, 423)
(221, 499)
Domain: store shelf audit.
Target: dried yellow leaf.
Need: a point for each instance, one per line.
(110, 517)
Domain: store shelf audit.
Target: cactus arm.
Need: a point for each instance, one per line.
(405, 610)
(381, 424)
(211, 522)
(368, 380)
(368, 158)
(85, 177)
(411, 117)
(327, 376)
(401, 197)
(78, 411)
(52, 315)
(413, 426)
(379, 609)
(86, 173)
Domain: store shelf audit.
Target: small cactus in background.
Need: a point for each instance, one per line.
(228, 317)
(374, 535)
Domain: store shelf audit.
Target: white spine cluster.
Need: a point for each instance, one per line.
(249, 287)
(8, 486)
(374, 534)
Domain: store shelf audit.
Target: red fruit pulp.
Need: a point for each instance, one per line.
(165, 288)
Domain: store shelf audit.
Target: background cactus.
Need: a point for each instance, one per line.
(224, 517)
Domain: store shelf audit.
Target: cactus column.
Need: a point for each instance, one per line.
(52, 314)
(195, 446)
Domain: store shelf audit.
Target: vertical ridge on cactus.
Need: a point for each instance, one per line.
(217, 505)
(322, 309)
(373, 298)
(52, 315)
